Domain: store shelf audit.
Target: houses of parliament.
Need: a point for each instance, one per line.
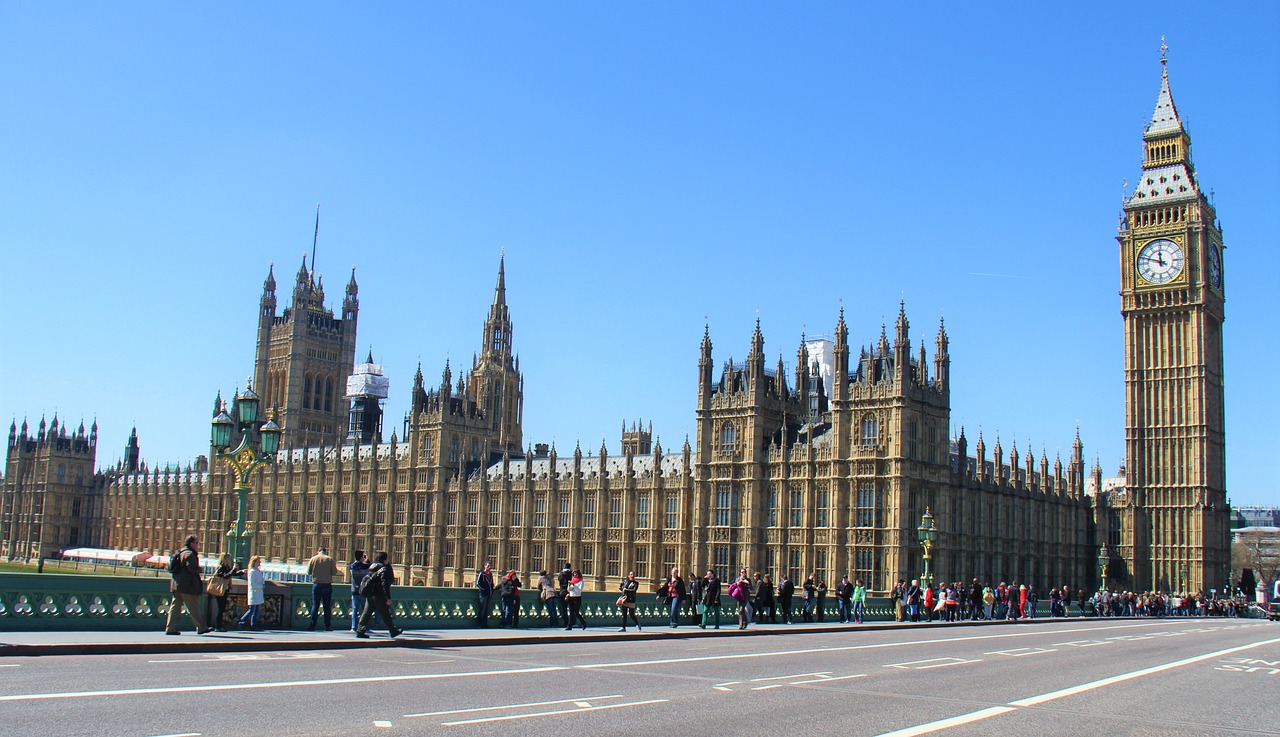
(826, 466)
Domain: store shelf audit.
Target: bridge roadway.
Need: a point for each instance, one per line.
(1059, 677)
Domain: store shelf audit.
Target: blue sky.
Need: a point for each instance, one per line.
(646, 167)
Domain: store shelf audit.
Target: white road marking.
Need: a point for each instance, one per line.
(382, 723)
(183, 734)
(553, 713)
(933, 663)
(1019, 652)
(728, 683)
(1083, 643)
(273, 684)
(948, 723)
(1054, 695)
(825, 680)
(582, 704)
(508, 706)
(794, 675)
(10, 665)
(874, 646)
(721, 688)
(241, 657)
(766, 688)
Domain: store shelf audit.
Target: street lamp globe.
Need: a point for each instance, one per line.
(247, 406)
(270, 436)
(222, 425)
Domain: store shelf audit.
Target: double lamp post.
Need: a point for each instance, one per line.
(247, 457)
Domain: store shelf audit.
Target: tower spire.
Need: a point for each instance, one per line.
(315, 239)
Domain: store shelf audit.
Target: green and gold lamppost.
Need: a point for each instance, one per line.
(1104, 557)
(243, 461)
(928, 534)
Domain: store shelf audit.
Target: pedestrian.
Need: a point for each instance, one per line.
(322, 570)
(709, 599)
(810, 596)
(548, 598)
(377, 596)
(510, 591)
(859, 600)
(975, 600)
(219, 589)
(743, 583)
(255, 595)
(757, 597)
(574, 597)
(821, 603)
(1033, 598)
(484, 595)
(697, 590)
(767, 606)
(671, 594)
(988, 603)
(913, 597)
(786, 590)
(1022, 601)
(899, 595)
(627, 601)
(358, 570)
(929, 601)
(844, 600)
(186, 587)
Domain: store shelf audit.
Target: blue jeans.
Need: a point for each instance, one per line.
(675, 611)
(322, 593)
(250, 616)
(357, 606)
(553, 611)
(858, 608)
(844, 607)
(484, 608)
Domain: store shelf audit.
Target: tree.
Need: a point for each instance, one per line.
(1258, 551)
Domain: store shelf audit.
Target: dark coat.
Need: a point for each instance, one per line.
(786, 589)
(187, 578)
(665, 592)
(383, 578)
(510, 588)
(844, 590)
(629, 589)
(711, 591)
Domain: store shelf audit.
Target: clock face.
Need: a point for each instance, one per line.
(1160, 261)
(1215, 268)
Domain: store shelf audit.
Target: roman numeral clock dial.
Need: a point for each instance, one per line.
(1160, 261)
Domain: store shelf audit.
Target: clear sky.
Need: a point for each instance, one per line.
(646, 167)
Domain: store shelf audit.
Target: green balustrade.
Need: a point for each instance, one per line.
(30, 601)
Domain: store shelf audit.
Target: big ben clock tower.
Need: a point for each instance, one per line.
(1175, 537)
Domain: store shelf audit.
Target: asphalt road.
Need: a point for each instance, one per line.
(1124, 677)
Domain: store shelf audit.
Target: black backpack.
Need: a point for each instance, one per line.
(175, 562)
(371, 583)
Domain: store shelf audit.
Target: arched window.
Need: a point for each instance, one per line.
(306, 392)
(870, 430)
(728, 438)
(328, 394)
(453, 449)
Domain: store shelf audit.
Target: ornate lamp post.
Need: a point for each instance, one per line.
(927, 535)
(243, 461)
(1104, 557)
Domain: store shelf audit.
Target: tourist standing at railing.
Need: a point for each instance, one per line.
(226, 570)
(786, 591)
(186, 587)
(510, 591)
(859, 600)
(322, 570)
(913, 597)
(377, 594)
(708, 596)
(358, 570)
(899, 596)
(844, 600)
(549, 598)
(671, 594)
(484, 595)
(975, 600)
(810, 589)
(574, 597)
(767, 606)
(820, 604)
(756, 592)
(255, 594)
(627, 602)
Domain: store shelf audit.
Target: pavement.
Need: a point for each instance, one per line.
(26, 644)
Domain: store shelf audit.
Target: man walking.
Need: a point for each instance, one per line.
(322, 569)
(377, 596)
(186, 587)
(484, 595)
(359, 569)
(786, 590)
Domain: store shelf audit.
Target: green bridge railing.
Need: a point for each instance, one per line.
(69, 602)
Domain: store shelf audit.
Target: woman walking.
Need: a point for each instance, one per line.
(627, 602)
(574, 599)
(710, 599)
(256, 594)
(222, 580)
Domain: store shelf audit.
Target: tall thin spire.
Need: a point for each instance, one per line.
(1165, 117)
(500, 291)
(316, 239)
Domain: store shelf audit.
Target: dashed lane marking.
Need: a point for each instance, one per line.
(793, 675)
(1019, 652)
(826, 680)
(931, 663)
(384, 724)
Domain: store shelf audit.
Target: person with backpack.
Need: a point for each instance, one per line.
(359, 571)
(186, 587)
(376, 591)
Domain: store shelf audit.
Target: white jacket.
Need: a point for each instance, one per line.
(257, 583)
